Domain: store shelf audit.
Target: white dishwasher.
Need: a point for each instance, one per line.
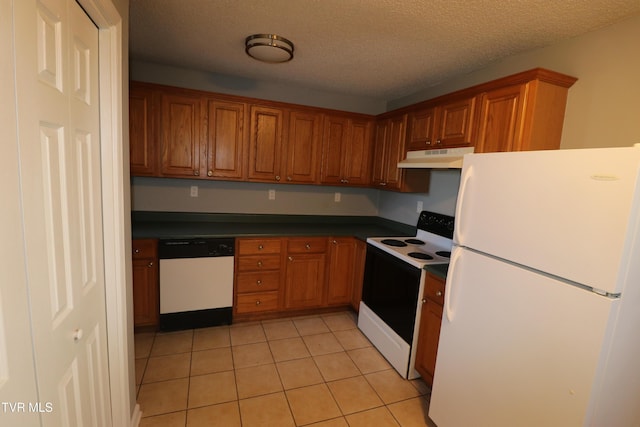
(196, 282)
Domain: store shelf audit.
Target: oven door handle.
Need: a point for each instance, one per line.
(451, 276)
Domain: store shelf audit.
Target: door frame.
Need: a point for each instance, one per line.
(116, 207)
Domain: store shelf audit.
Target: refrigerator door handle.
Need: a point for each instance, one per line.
(460, 213)
(451, 276)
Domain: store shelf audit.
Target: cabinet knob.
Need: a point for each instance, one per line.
(342, 181)
(346, 181)
(260, 247)
(383, 184)
(428, 142)
(258, 302)
(308, 246)
(259, 282)
(334, 241)
(289, 178)
(277, 177)
(438, 141)
(196, 173)
(438, 293)
(290, 258)
(424, 301)
(259, 263)
(210, 173)
(150, 265)
(136, 251)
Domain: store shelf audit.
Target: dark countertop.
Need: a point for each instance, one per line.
(439, 270)
(171, 225)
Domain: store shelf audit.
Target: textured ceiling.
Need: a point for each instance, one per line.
(384, 49)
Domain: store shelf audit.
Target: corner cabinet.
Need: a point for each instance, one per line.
(146, 302)
(525, 116)
(429, 332)
(388, 150)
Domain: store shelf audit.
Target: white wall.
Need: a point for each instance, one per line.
(173, 195)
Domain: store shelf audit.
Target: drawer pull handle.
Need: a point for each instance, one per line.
(258, 302)
(308, 246)
(259, 263)
(439, 293)
(260, 247)
(334, 242)
(424, 301)
(136, 251)
(150, 265)
(259, 282)
(290, 258)
(210, 173)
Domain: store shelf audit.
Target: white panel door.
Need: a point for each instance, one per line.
(59, 142)
(516, 348)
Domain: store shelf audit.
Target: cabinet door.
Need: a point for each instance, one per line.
(357, 153)
(455, 123)
(428, 337)
(303, 147)
(304, 280)
(181, 135)
(342, 270)
(420, 129)
(334, 134)
(265, 143)
(500, 120)
(145, 292)
(395, 151)
(378, 171)
(225, 139)
(142, 144)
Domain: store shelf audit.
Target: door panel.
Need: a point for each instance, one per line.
(58, 120)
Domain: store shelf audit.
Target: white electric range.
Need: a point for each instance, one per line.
(394, 285)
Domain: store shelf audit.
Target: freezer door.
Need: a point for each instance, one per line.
(572, 213)
(516, 348)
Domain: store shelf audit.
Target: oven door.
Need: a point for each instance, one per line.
(390, 289)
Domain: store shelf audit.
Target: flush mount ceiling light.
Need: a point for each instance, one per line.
(269, 48)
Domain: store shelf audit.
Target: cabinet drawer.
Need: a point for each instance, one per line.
(434, 289)
(260, 301)
(144, 248)
(305, 245)
(258, 262)
(258, 246)
(258, 281)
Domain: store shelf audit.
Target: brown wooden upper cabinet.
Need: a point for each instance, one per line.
(525, 116)
(181, 132)
(302, 149)
(265, 143)
(142, 132)
(225, 142)
(186, 133)
(446, 125)
(346, 151)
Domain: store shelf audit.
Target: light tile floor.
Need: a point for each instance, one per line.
(304, 371)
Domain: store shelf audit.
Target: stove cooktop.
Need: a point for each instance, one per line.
(431, 245)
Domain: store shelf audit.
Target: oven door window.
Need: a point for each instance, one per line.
(390, 290)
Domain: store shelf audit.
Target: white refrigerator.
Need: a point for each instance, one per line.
(541, 323)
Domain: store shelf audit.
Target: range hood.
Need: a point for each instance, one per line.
(448, 158)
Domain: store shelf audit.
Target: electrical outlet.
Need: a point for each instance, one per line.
(419, 206)
(337, 197)
(194, 191)
(272, 194)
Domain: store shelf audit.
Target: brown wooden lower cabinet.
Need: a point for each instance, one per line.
(308, 273)
(429, 333)
(146, 308)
